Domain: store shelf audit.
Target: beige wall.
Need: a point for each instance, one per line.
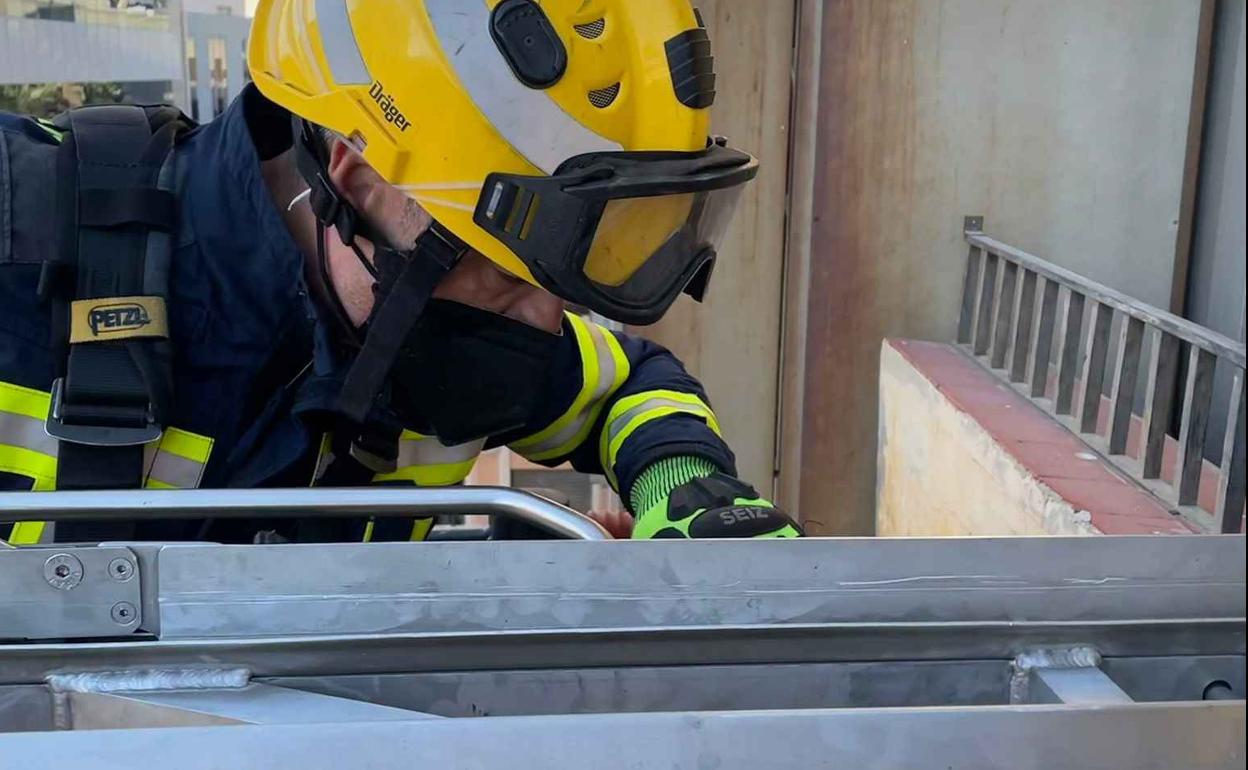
(942, 475)
(1063, 121)
(732, 341)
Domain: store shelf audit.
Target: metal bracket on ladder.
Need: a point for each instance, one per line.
(69, 593)
(1070, 675)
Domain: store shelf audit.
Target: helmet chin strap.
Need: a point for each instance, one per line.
(404, 282)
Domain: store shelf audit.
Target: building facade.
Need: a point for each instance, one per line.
(56, 54)
(137, 46)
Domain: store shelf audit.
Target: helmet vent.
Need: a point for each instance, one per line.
(592, 30)
(604, 97)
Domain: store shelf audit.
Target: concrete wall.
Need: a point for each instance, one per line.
(732, 341)
(962, 454)
(1063, 121)
(942, 475)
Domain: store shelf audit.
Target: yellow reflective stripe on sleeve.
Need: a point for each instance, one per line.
(604, 368)
(324, 457)
(16, 399)
(420, 530)
(50, 127)
(427, 462)
(178, 460)
(27, 533)
(24, 461)
(629, 414)
(26, 450)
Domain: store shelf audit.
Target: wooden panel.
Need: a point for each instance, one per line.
(791, 419)
(731, 343)
(931, 110)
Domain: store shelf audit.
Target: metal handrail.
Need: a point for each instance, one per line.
(300, 503)
(1193, 333)
(1010, 322)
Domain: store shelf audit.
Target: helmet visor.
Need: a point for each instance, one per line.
(620, 233)
(644, 246)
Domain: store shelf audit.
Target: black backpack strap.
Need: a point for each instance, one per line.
(117, 214)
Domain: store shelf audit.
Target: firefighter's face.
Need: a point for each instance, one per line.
(475, 281)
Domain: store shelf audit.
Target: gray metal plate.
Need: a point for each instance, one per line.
(253, 704)
(676, 688)
(69, 593)
(267, 591)
(399, 653)
(26, 707)
(1131, 737)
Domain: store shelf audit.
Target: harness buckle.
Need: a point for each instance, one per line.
(97, 433)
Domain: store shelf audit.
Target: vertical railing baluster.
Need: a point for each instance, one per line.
(1015, 321)
(1230, 506)
(1068, 363)
(1163, 368)
(1094, 357)
(1023, 325)
(1004, 323)
(1196, 401)
(970, 285)
(1042, 350)
(1126, 373)
(987, 291)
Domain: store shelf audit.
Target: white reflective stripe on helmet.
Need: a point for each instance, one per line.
(342, 51)
(531, 122)
(299, 8)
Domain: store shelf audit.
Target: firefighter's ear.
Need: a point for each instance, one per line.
(360, 185)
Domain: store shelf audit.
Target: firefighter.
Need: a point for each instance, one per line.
(358, 273)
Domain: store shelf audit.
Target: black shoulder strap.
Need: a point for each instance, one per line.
(405, 283)
(117, 215)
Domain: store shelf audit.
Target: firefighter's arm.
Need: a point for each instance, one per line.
(626, 408)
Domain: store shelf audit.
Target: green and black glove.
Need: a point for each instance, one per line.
(688, 497)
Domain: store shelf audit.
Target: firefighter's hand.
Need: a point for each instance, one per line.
(715, 506)
(618, 524)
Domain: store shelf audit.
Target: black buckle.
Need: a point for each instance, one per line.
(95, 435)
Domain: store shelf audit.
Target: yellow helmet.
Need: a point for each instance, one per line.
(565, 140)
